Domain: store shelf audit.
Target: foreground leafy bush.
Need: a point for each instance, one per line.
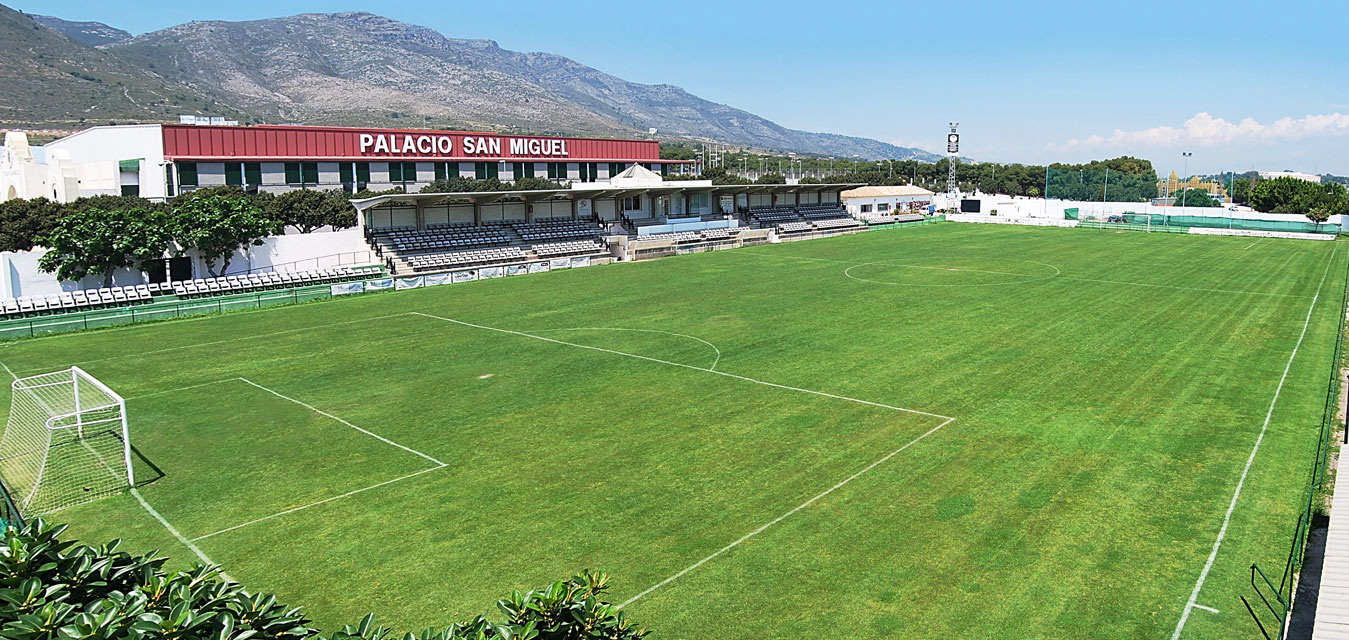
(55, 589)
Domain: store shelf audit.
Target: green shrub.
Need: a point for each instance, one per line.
(55, 589)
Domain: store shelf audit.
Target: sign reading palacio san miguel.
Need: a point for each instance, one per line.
(275, 142)
(424, 144)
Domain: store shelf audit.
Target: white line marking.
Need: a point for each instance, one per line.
(228, 340)
(685, 366)
(1208, 609)
(668, 333)
(945, 421)
(1254, 243)
(329, 415)
(1227, 519)
(782, 517)
(187, 543)
(318, 502)
(187, 388)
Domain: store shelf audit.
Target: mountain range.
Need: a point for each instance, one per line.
(362, 69)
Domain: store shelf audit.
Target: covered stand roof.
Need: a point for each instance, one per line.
(622, 185)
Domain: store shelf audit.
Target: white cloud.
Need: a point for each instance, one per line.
(1204, 130)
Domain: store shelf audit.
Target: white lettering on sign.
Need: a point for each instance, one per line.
(482, 146)
(406, 144)
(428, 145)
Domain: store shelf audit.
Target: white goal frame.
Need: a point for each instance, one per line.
(26, 445)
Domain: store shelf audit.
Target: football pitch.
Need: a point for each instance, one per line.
(952, 431)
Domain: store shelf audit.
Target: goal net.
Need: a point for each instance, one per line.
(65, 442)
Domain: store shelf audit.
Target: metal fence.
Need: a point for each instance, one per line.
(1276, 600)
(157, 311)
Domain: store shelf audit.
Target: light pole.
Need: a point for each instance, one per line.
(1184, 171)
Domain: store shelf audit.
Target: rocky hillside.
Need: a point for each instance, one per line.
(90, 33)
(359, 68)
(52, 80)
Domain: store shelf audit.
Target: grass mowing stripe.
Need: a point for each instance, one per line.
(317, 503)
(1227, 518)
(686, 366)
(329, 415)
(782, 517)
(139, 354)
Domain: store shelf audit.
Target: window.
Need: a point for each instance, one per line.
(345, 173)
(524, 170)
(362, 172)
(187, 174)
(615, 168)
(590, 171)
(131, 190)
(309, 172)
(866, 208)
(253, 173)
(442, 171)
(557, 171)
(293, 173)
(485, 170)
(665, 169)
(633, 203)
(402, 172)
(883, 206)
(234, 174)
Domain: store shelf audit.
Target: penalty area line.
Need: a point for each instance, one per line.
(317, 503)
(782, 517)
(945, 421)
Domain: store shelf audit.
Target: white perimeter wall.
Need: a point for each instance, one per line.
(20, 275)
(1020, 207)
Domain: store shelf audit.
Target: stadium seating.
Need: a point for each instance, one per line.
(795, 227)
(261, 281)
(569, 248)
(439, 238)
(476, 257)
(835, 223)
(556, 229)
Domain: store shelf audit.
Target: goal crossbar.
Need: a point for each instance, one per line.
(66, 441)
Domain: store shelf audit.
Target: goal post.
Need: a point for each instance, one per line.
(65, 443)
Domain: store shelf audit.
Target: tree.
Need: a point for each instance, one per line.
(1291, 195)
(22, 222)
(1319, 215)
(453, 184)
(527, 184)
(1241, 190)
(771, 178)
(217, 226)
(52, 588)
(100, 241)
(1194, 198)
(308, 210)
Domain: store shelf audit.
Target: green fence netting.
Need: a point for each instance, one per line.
(1223, 222)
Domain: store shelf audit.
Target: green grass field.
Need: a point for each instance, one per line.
(955, 431)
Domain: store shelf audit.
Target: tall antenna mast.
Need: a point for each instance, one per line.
(952, 151)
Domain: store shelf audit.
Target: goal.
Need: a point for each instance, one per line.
(65, 443)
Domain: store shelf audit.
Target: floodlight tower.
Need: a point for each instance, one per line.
(952, 151)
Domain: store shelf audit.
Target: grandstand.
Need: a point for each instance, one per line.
(463, 246)
(804, 219)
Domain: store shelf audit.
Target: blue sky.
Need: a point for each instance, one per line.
(1240, 84)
